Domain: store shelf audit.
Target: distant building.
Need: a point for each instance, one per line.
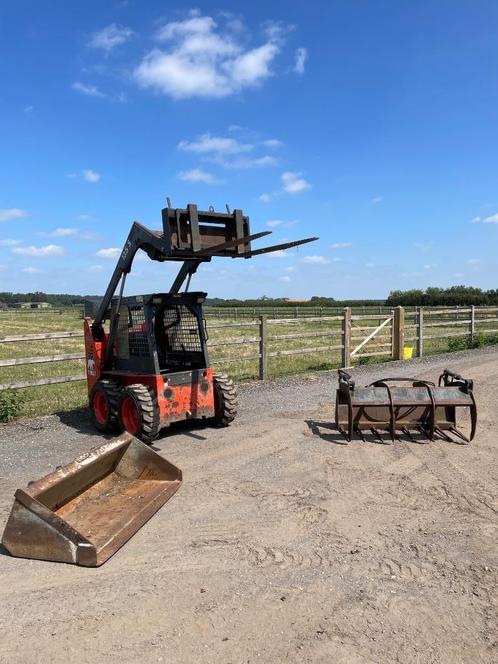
(30, 305)
(296, 301)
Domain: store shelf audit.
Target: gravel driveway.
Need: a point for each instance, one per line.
(283, 545)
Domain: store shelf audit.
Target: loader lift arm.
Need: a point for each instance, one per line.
(152, 243)
(190, 236)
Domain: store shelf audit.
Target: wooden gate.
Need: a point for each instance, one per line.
(373, 335)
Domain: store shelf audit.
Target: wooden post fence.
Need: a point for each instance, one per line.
(263, 349)
(363, 336)
(420, 331)
(346, 338)
(398, 333)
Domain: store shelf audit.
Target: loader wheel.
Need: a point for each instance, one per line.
(104, 399)
(225, 400)
(139, 412)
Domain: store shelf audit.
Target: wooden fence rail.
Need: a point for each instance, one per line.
(387, 335)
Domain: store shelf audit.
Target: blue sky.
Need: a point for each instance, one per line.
(370, 123)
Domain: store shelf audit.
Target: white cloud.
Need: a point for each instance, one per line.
(301, 57)
(206, 143)
(272, 143)
(244, 162)
(201, 59)
(7, 214)
(112, 252)
(31, 270)
(111, 36)
(285, 279)
(84, 217)
(88, 90)
(430, 266)
(89, 175)
(316, 260)
(280, 253)
(293, 183)
(91, 90)
(95, 268)
(475, 220)
(48, 250)
(459, 274)
(228, 152)
(69, 232)
(265, 198)
(341, 245)
(377, 199)
(9, 243)
(492, 219)
(277, 223)
(197, 175)
(62, 232)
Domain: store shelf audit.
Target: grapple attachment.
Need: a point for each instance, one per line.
(84, 512)
(406, 405)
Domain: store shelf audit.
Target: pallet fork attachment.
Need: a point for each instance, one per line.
(84, 512)
(405, 404)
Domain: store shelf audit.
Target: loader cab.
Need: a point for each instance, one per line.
(160, 333)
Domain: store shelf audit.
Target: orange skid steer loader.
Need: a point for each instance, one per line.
(148, 369)
(151, 368)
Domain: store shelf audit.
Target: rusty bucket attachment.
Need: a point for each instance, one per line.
(84, 512)
(406, 405)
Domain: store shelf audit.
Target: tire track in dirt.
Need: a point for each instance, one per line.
(305, 505)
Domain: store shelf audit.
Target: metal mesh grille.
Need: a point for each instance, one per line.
(132, 336)
(138, 342)
(180, 329)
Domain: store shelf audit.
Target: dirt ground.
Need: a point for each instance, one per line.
(283, 545)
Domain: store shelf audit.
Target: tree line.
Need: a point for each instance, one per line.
(431, 297)
(435, 297)
(62, 300)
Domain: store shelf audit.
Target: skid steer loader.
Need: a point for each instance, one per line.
(408, 405)
(150, 368)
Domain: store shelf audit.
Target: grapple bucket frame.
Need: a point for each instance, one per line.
(415, 404)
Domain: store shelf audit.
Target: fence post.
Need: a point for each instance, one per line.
(472, 323)
(420, 331)
(263, 350)
(399, 333)
(346, 338)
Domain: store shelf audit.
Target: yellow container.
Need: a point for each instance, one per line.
(407, 353)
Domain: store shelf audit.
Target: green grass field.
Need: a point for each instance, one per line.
(239, 360)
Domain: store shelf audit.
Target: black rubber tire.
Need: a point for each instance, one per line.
(111, 391)
(225, 400)
(147, 408)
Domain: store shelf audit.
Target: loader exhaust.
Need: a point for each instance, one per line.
(407, 405)
(84, 512)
